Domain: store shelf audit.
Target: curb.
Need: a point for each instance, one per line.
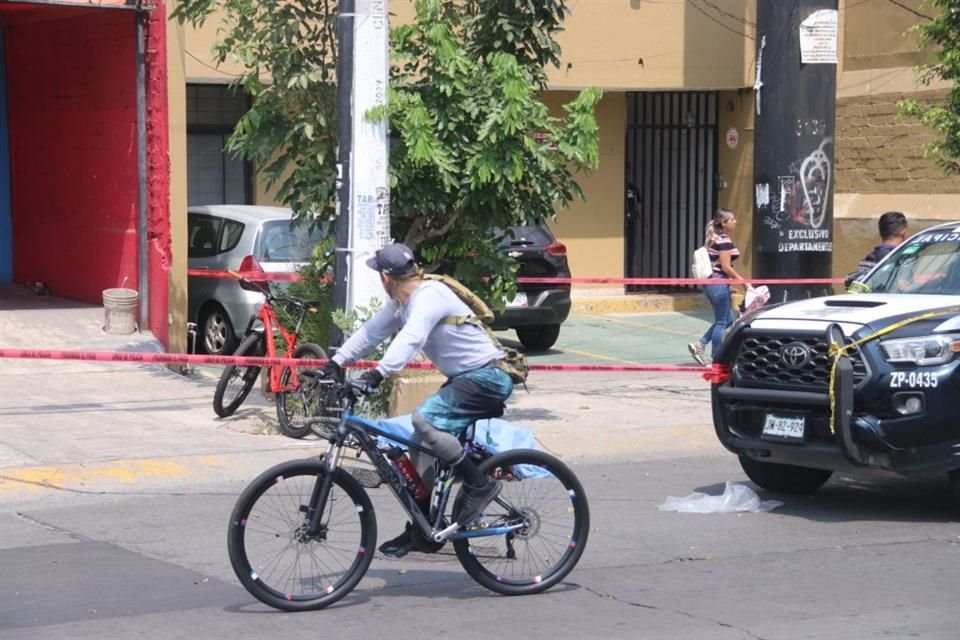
(641, 303)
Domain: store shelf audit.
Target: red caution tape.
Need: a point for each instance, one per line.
(249, 361)
(293, 277)
(717, 374)
(255, 276)
(678, 281)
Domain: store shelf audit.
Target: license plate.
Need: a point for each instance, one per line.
(520, 300)
(788, 428)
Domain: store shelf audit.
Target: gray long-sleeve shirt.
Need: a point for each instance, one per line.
(453, 349)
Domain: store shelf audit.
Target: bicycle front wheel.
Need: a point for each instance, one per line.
(275, 557)
(544, 497)
(294, 406)
(236, 382)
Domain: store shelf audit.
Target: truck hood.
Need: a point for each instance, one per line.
(850, 311)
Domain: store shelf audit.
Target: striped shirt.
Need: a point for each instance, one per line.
(721, 242)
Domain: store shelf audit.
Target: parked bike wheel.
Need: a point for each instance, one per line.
(543, 493)
(236, 382)
(271, 552)
(296, 405)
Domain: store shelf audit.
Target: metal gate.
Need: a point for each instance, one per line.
(671, 159)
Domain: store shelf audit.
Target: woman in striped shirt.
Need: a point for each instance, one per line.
(723, 253)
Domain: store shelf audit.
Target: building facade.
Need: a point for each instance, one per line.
(676, 122)
(113, 121)
(83, 171)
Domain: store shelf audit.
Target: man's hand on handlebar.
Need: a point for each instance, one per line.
(367, 383)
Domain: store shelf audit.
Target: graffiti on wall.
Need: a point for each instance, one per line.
(796, 205)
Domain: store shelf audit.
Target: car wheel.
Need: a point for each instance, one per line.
(784, 478)
(218, 337)
(538, 338)
(955, 483)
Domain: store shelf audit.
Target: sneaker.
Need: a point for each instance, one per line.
(697, 351)
(475, 499)
(399, 546)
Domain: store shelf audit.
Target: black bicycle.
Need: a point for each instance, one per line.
(303, 534)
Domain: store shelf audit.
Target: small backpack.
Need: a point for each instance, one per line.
(701, 267)
(514, 363)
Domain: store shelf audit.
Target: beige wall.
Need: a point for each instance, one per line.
(735, 166)
(177, 117)
(879, 161)
(198, 62)
(642, 45)
(593, 230)
(646, 45)
(880, 165)
(875, 34)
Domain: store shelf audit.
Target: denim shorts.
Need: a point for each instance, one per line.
(465, 398)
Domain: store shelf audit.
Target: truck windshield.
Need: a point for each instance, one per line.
(927, 263)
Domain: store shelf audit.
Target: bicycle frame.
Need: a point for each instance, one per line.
(268, 317)
(365, 433)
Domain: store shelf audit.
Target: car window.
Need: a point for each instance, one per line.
(232, 230)
(927, 263)
(534, 236)
(202, 235)
(281, 243)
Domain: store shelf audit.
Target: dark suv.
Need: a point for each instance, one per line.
(896, 393)
(539, 308)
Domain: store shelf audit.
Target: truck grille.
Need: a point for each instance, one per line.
(790, 361)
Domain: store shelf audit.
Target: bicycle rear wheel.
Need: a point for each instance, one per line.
(271, 552)
(544, 494)
(235, 381)
(296, 405)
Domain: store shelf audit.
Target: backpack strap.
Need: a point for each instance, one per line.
(512, 358)
(458, 320)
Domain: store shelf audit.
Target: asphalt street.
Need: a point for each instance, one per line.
(116, 482)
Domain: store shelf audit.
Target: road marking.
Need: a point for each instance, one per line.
(642, 325)
(597, 356)
(75, 476)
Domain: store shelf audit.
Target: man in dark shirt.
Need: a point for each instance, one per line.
(893, 231)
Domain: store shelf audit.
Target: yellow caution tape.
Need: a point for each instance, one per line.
(837, 351)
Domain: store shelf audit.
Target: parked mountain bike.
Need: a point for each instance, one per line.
(303, 533)
(236, 382)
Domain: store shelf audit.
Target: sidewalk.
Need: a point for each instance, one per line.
(95, 426)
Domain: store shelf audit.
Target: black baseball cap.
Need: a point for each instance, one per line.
(394, 260)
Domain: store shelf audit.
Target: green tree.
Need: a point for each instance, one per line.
(940, 36)
(474, 147)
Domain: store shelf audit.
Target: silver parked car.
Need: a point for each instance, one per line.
(239, 238)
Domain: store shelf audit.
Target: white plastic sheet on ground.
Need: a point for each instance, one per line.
(736, 497)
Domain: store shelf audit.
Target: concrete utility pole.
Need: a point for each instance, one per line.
(363, 195)
(794, 143)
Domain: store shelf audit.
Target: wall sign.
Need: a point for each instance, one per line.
(733, 137)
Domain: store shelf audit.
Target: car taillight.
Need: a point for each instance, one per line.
(556, 249)
(250, 269)
(249, 264)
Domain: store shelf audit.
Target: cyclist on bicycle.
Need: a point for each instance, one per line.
(475, 388)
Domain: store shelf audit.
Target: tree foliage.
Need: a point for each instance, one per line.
(474, 148)
(940, 36)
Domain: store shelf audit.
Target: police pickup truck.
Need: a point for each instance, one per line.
(865, 382)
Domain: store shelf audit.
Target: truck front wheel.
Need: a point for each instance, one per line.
(784, 478)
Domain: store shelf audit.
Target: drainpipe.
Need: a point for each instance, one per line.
(142, 241)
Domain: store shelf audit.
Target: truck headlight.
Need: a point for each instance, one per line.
(922, 350)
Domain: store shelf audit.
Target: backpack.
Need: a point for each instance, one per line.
(701, 267)
(514, 363)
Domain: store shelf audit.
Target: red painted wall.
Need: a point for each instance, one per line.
(159, 252)
(73, 153)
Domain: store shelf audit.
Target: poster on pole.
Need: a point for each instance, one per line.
(370, 215)
(818, 38)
